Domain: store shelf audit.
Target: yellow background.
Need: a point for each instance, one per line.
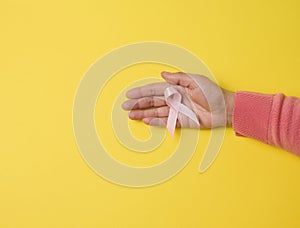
(45, 49)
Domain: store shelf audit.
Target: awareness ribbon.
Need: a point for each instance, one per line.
(173, 100)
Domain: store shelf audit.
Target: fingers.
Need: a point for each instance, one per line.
(145, 102)
(179, 78)
(154, 121)
(155, 112)
(155, 89)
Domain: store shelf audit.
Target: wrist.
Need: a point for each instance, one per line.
(229, 103)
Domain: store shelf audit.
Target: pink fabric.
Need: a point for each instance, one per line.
(273, 119)
(173, 100)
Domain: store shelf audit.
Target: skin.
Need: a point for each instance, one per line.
(147, 103)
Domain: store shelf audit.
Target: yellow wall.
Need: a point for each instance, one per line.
(46, 48)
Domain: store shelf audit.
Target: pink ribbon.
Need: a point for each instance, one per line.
(173, 100)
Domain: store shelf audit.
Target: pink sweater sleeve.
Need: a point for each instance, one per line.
(273, 119)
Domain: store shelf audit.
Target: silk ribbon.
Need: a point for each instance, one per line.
(173, 99)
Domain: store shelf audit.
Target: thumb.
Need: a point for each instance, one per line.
(178, 78)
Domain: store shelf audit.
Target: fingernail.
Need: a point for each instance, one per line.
(128, 94)
(165, 73)
(146, 121)
(125, 106)
(131, 115)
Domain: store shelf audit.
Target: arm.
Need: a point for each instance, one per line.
(273, 119)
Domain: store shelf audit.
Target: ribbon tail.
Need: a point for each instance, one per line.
(189, 113)
(171, 123)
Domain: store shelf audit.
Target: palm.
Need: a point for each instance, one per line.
(199, 107)
(198, 93)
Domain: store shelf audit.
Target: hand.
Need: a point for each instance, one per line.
(212, 104)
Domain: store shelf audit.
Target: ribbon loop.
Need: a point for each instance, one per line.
(173, 100)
